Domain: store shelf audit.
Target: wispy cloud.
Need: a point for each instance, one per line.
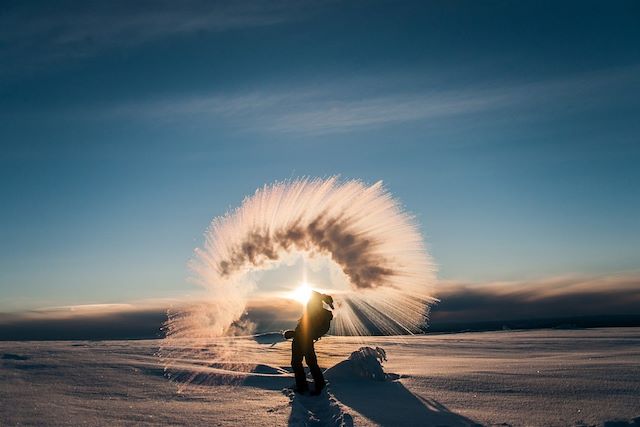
(351, 106)
(330, 108)
(343, 116)
(365, 103)
(221, 106)
(34, 35)
(370, 110)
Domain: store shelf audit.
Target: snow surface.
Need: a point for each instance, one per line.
(545, 378)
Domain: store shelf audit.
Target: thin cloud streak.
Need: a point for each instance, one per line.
(339, 108)
(335, 116)
(344, 116)
(57, 33)
(314, 112)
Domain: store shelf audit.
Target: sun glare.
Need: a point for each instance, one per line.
(302, 293)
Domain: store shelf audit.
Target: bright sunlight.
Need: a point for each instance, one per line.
(302, 293)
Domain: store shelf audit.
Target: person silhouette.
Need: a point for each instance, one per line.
(313, 324)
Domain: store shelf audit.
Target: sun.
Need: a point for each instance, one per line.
(302, 293)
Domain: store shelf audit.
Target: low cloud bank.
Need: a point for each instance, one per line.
(118, 324)
(560, 301)
(125, 321)
(600, 301)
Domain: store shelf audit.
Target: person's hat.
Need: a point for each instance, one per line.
(328, 299)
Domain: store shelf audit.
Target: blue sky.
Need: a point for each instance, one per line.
(509, 129)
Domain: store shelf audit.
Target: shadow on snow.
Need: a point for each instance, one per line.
(382, 402)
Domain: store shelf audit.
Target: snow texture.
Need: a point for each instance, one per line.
(510, 378)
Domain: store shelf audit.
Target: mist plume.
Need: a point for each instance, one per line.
(361, 228)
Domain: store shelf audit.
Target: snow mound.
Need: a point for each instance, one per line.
(365, 363)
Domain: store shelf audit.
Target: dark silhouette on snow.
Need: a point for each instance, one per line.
(313, 324)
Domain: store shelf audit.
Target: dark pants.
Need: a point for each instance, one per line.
(303, 348)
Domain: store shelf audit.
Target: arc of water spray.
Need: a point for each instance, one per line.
(362, 228)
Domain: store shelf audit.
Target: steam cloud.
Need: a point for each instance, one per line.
(361, 228)
(354, 253)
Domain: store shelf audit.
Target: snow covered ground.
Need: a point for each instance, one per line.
(544, 377)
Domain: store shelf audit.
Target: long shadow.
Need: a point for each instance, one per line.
(389, 403)
(386, 403)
